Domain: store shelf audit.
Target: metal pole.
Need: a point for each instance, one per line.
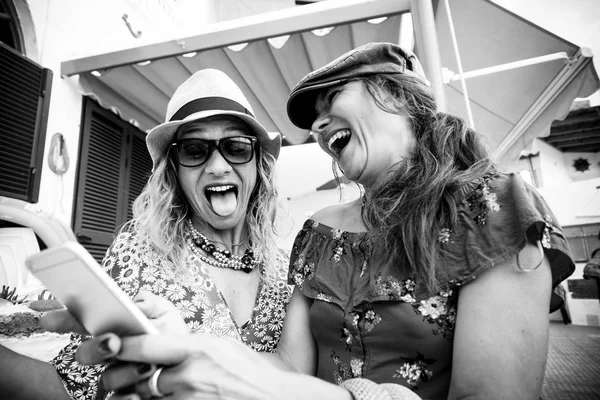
(460, 69)
(565, 76)
(508, 66)
(427, 46)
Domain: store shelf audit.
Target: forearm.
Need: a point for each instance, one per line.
(25, 378)
(278, 361)
(292, 386)
(298, 386)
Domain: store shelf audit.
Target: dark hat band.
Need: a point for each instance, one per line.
(207, 104)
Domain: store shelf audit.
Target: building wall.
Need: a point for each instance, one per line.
(550, 166)
(592, 172)
(557, 168)
(56, 31)
(553, 168)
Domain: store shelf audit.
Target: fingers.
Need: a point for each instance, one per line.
(175, 349)
(131, 396)
(98, 350)
(152, 305)
(125, 377)
(154, 386)
(62, 322)
(157, 349)
(162, 313)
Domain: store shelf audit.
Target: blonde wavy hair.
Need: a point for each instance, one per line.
(161, 212)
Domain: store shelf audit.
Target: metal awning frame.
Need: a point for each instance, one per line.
(332, 13)
(572, 67)
(281, 23)
(243, 30)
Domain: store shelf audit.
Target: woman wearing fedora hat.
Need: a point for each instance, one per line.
(435, 284)
(202, 237)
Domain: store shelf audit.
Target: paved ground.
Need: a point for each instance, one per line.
(573, 369)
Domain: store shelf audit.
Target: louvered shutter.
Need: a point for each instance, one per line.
(100, 178)
(141, 165)
(24, 100)
(114, 166)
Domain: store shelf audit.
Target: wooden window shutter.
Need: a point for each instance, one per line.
(141, 167)
(114, 166)
(24, 101)
(100, 178)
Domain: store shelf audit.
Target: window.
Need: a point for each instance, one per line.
(114, 165)
(10, 33)
(24, 100)
(582, 240)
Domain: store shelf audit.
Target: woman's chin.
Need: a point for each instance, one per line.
(223, 222)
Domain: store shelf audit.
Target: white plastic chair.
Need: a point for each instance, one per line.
(16, 244)
(19, 242)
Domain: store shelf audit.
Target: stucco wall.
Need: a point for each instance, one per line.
(56, 31)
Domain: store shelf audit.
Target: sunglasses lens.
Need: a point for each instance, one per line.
(237, 150)
(193, 152)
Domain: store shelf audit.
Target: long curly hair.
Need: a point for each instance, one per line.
(161, 212)
(407, 208)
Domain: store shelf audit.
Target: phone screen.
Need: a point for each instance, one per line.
(74, 277)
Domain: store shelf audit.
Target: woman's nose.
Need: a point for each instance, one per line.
(321, 123)
(217, 164)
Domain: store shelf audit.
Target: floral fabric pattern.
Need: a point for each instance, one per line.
(79, 380)
(371, 318)
(302, 271)
(549, 230)
(395, 290)
(439, 310)
(483, 201)
(414, 370)
(197, 298)
(388, 327)
(346, 371)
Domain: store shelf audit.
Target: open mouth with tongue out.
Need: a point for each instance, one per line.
(223, 199)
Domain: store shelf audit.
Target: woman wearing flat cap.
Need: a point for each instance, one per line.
(203, 238)
(435, 284)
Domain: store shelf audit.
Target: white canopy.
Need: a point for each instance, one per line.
(510, 107)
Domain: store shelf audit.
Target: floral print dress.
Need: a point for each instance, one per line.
(371, 319)
(195, 295)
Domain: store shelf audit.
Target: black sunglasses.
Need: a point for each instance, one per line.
(195, 152)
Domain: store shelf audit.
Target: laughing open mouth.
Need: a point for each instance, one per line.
(339, 141)
(223, 199)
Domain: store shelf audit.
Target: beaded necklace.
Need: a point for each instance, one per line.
(220, 258)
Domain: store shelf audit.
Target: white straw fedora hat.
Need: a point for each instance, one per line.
(207, 93)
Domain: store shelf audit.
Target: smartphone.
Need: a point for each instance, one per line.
(74, 277)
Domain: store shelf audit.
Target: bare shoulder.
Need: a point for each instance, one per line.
(328, 214)
(345, 217)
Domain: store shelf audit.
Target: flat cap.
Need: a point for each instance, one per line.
(366, 60)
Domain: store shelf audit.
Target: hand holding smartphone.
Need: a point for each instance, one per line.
(74, 277)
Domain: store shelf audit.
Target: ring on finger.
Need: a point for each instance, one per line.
(153, 384)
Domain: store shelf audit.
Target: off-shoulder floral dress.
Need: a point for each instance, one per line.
(373, 320)
(194, 293)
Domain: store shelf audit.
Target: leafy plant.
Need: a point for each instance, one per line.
(9, 294)
(46, 295)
